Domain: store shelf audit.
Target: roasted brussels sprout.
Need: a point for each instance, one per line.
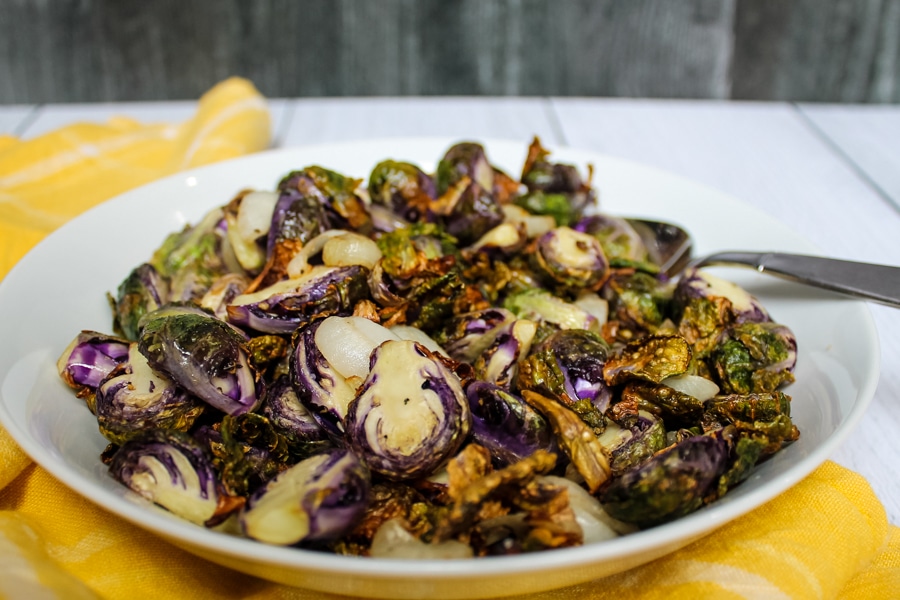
(669, 485)
(568, 366)
(405, 188)
(170, 469)
(287, 305)
(87, 361)
(579, 442)
(705, 306)
(499, 363)
(133, 398)
(569, 260)
(205, 356)
(315, 500)
(755, 357)
(410, 414)
(639, 302)
(465, 337)
(143, 291)
(649, 359)
(766, 416)
(298, 217)
(620, 242)
(192, 259)
(553, 188)
(474, 211)
(506, 425)
(337, 194)
(633, 444)
(292, 420)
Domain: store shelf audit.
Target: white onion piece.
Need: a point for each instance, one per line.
(350, 249)
(300, 262)
(254, 217)
(594, 305)
(535, 225)
(700, 388)
(347, 342)
(408, 332)
(596, 524)
(393, 541)
(504, 235)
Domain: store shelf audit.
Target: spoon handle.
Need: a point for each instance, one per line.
(880, 283)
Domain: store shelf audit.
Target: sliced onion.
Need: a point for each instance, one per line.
(347, 342)
(350, 249)
(300, 263)
(594, 305)
(535, 225)
(393, 541)
(700, 388)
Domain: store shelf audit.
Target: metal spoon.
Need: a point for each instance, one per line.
(670, 247)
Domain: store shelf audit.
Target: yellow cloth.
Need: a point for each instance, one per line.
(827, 537)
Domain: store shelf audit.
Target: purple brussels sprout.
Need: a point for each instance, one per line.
(204, 355)
(466, 336)
(568, 366)
(322, 386)
(755, 358)
(292, 419)
(465, 174)
(142, 292)
(554, 189)
(633, 445)
(404, 188)
(170, 469)
(287, 305)
(506, 425)
(134, 397)
(670, 485)
(570, 260)
(499, 362)
(89, 359)
(410, 415)
(704, 306)
(344, 209)
(316, 500)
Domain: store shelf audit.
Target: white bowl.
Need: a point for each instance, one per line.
(60, 288)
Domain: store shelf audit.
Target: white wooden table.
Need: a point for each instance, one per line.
(832, 173)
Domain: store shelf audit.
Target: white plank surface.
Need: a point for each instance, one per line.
(769, 156)
(867, 135)
(12, 117)
(53, 116)
(340, 119)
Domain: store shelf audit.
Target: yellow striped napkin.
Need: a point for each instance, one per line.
(828, 537)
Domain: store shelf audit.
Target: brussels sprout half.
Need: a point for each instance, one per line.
(317, 499)
(410, 414)
(506, 425)
(133, 398)
(289, 304)
(89, 359)
(204, 355)
(170, 469)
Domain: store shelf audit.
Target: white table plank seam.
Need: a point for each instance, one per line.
(846, 158)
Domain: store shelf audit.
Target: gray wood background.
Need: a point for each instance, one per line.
(120, 50)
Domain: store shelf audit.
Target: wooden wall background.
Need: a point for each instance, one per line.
(119, 50)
